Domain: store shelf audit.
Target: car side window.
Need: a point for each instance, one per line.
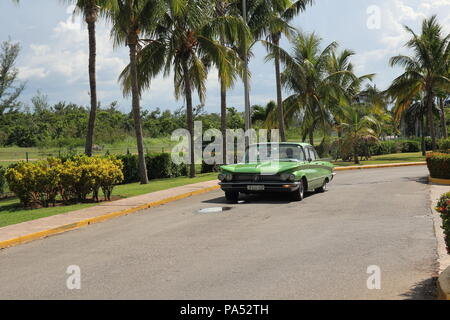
(311, 154)
(316, 155)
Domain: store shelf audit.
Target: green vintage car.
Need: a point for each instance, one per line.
(296, 168)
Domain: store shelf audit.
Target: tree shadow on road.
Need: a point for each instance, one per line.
(421, 180)
(423, 290)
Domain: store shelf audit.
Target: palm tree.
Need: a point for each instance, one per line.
(262, 114)
(231, 32)
(426, 71)
(313, 85)
(442, 97)
(358, 128)
(185, 44)
(90, 11)
(278, 24)
(132, 19)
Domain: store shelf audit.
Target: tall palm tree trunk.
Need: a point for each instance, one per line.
(422, 136)
(276, 40)
(223, 121)
(132, 44)
(443, 124)
(189, 116)
(430, 99)
(91, 19)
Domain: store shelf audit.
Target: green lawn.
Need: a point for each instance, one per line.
(11, 212)
(14, 154)
(388, 158)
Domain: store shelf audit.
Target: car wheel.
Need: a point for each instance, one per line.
(299, 194)
(323, 188)
(232, 197)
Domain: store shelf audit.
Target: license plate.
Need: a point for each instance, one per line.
(255, 188)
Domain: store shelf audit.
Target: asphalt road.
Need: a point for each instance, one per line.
(263, 248)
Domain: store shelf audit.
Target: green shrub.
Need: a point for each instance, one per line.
(439, 165)
(130, 167)
(385, 147)
(159, 166)
(410, 146)
(2, 180)
(444, 145)
(443, 207)
(39, 183)
(35, 183)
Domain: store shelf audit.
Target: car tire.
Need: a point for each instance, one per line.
(299, 194)
(323, 188)
(232, 197)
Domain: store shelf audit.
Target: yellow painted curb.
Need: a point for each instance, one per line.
(439, 181)
(377, 166)
(86, 222)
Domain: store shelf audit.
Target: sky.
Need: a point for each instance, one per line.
(54, 50)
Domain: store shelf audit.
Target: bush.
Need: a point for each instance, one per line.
(439, 165)
(130, 167)
(39, 183)
(2, 180)
(159, 166)
(35, 182)
(410, 146)
(444, 145)
(443, 207)
(385, 147)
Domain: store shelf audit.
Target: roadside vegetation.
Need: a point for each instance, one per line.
(12, 212)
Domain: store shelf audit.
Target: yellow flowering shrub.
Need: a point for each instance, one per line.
(35, 182)
(40, 182)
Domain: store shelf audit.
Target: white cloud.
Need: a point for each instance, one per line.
(67, 55)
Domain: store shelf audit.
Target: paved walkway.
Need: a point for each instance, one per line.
(56, 221)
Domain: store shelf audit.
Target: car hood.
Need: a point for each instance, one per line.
(262, 167)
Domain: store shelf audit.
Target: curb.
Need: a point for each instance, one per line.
(443, 285)
(86, 222)
(377, 166)
(445, 182)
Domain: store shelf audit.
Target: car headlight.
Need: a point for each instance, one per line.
(288, 177)
(228, 177)
(221, 177)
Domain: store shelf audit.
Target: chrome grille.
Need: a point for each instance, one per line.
(255, 178)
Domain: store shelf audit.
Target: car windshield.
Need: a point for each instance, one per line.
(274, 152)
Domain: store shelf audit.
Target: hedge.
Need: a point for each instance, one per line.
(2, 180)
(443, 207)
(39, 183)
(439, 165)
(444, 145)
(159, 165)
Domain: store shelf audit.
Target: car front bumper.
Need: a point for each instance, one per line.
(268, 186)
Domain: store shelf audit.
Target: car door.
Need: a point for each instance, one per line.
(322, 170)
(315, 177)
